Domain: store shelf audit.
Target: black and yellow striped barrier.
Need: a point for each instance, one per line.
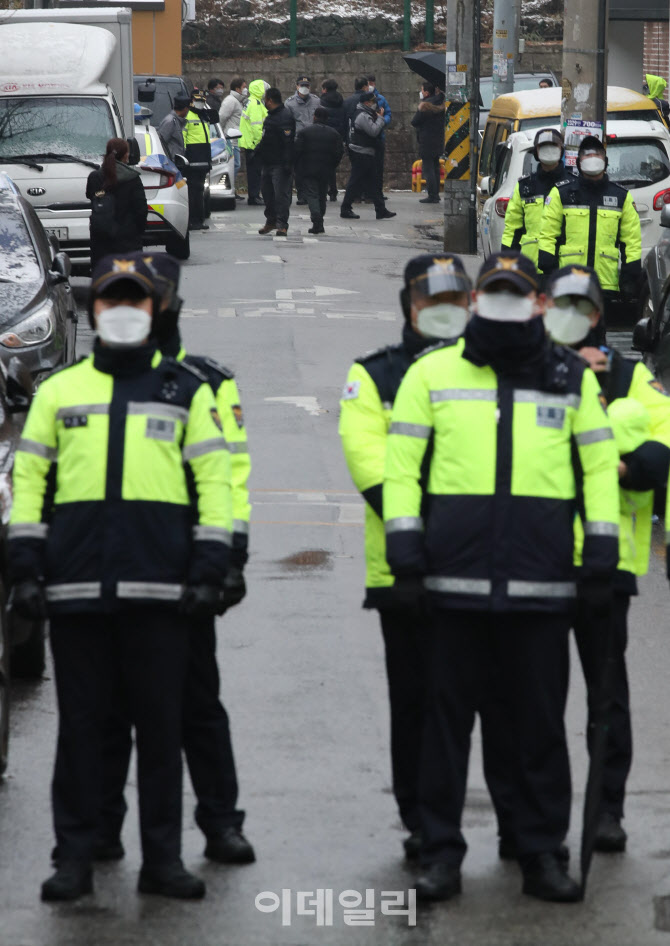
(457, 141)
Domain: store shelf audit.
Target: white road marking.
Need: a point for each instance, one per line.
(263, 259)
(306, 402)
(226, 312)
(352, 512)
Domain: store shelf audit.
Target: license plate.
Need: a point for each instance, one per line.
(61, 233)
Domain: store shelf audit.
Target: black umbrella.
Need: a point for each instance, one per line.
(599, 710)
(430, 66)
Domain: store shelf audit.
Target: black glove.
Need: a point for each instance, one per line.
(234, 588)
(29, 600)
(408, 592)
(200, 601)
(595, 596)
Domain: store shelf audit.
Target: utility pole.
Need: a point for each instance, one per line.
(584, 102)
(506, 17)
(461, 148)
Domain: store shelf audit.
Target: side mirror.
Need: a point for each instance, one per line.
(233, 133)
(485, 186)
(180, 161)
(134, 155)
(644, 336)
(665, 216)
(60, 269)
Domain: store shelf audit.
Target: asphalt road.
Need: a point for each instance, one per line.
(302, 664)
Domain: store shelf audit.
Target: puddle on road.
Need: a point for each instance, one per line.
(312, 559)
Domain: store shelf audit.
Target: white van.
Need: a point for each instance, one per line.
(65, 90)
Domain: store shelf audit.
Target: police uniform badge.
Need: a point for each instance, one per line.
(657, 386)
(216, 418)
(351, 389)
(237, 414)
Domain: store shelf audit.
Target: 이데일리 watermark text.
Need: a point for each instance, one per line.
(358, 908)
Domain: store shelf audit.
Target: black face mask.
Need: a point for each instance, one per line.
(505, 346)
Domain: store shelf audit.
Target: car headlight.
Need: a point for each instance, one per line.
(33, 330)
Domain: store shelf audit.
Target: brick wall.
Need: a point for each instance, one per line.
(656, 50)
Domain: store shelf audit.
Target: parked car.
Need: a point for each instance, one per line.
(522, 82)
(220, 187)
(638, 158)
(38, 320)
(158, 93)
(166, 193)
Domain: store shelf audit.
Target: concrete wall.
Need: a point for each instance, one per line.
(625, 54)
(394, 80)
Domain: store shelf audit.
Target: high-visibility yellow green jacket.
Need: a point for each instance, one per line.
(253, 116)
(365, 418)
(493, 529)
(523, 216)
(121, 484)
(197, 139)
(227, 397)
(639, 412)
(593, 224)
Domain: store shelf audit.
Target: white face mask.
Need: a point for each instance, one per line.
(420, 95)
(592, 165)
(123, 326)
(567, 326)
(444, 320)
(371, 87)
(304, 90)
(549, 154)
(504, 307)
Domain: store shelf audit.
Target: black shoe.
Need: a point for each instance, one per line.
(230, 847)
(333, 198)
(610, 836)
(73, 879)
(429, 200)
(255, 202)
(546, 877)
(316, 228)
(507, 851)
(240, 197)
(349, 214)
(412, 845)
(171, 880)
(386, 214)
(438, 882)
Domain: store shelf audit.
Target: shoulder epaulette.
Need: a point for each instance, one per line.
(192, 370)
(444, 343)
(216, 366)
(376, 353)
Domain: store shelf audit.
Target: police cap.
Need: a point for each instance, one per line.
(591, 143)
(548, 136)
(118, 267)
(579, 281)
(429, 275)
(511, 267)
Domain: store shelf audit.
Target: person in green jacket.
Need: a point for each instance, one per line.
(654, 88)
(435, 303)
(251, 126)
(639, 411)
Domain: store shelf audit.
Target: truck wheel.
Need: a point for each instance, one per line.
(4, 692)
(179, 247)
(28, 658)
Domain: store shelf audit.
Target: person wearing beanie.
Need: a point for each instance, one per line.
(435, 304)
(318, 152)
(493, 439)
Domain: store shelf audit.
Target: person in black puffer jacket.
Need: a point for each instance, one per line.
(337, 119)
(275, 151)
(318, 151)
(118, 204)
(429, 124)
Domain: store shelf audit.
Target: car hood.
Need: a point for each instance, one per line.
(19, 298)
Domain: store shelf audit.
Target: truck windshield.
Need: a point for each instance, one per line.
(74, 126)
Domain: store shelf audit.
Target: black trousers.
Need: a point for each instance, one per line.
(299, 180)
(196, 195)
(431, 172)
(619, 752)
(315, 191)
(380, 155)
(363, 180)
(406, 636)
(206, 740)
(140, 653)
(332, 183)
(276, 188)
(254, 168)
(473, 653)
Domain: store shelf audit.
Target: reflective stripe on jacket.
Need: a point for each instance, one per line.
(121, 487)
(493, 527)
(523, 217)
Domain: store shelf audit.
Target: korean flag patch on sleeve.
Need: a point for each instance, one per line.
(351, 389)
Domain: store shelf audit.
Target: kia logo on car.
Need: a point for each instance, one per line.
(36, 191)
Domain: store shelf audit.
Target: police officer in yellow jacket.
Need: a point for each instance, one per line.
(487, 529)
(523, 216)
(435, 303)
(639, 412)
(589, 220)
(199, 154)
(206, 731)
(120, 531)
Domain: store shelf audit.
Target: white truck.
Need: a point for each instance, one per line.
(65, 89)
